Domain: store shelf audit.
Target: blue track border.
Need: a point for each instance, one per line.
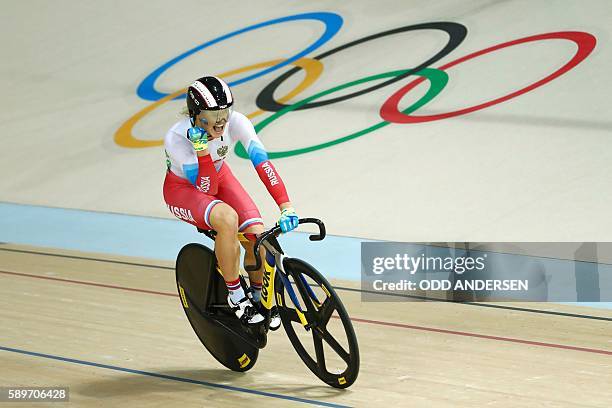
(173, 378)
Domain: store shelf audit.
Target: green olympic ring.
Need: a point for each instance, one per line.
(437, 81)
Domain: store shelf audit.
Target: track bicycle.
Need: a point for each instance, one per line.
(312, 314)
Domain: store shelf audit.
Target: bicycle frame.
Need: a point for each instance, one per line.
(288, 283)
(273, 260)
(273, 264)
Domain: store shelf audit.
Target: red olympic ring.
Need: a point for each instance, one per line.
(389, 111)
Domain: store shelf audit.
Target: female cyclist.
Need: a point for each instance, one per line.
(200, 188)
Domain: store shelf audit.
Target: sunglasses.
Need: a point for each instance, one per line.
(215, 117)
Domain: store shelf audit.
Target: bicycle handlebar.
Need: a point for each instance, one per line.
(275, 231)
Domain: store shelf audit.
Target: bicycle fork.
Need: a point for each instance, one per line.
(272, 261)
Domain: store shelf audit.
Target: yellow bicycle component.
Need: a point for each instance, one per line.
(302, 317)
(183, 297)
(341, 380)
(267, 287)
(242, 238)
(244, 361)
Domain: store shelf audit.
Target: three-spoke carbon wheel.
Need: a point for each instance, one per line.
(322, 335)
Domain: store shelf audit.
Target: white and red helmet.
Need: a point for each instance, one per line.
(209, 94)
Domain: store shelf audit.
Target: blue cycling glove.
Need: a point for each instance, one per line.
(198, 138)
(288, 220)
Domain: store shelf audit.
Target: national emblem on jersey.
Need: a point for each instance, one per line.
(222, 151)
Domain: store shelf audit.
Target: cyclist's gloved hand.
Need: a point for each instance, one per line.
(288, 219)
(198, 138)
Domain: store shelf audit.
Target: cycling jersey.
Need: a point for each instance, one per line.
(207, 180)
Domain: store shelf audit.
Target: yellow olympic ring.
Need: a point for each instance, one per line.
(125, 138)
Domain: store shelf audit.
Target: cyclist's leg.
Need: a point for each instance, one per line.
(206, 212)
(224, 220)
(209, 212)
(255, 277)
(249, 219)
(187, 203)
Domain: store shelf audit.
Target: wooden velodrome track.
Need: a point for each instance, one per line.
(81, 131)
(113, 330)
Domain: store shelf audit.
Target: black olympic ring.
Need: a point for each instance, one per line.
(457, 33)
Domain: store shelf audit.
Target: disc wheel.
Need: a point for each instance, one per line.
(200, 286)
(323, 336)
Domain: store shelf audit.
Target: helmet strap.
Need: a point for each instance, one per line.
(192, 118)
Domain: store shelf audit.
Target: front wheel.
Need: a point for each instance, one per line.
(320, 331)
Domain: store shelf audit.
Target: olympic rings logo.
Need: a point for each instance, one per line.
(313, 67)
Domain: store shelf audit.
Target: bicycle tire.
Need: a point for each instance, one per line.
(195, 269)
(294, 268)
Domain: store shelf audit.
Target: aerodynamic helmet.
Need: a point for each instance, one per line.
(211, 95)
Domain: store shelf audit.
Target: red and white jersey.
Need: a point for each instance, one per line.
(183, 161)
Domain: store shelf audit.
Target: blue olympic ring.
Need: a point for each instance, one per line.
(333, 22)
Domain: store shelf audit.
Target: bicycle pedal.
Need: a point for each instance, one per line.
(258, 333)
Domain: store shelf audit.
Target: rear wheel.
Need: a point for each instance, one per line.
(321, 333)
(203, 295)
